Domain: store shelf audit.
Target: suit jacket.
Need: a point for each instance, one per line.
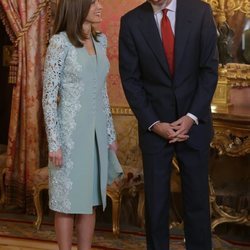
(150, 90)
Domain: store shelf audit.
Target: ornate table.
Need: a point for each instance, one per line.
(231, 138)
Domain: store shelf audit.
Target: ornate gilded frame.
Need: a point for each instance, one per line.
(231, 74)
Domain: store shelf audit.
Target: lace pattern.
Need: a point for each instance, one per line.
(61, 77)
(53, 66)
(110, 126)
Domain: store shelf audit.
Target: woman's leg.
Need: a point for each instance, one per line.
(85, 226)
(64, 230)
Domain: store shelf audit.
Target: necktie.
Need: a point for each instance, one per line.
(167, 40)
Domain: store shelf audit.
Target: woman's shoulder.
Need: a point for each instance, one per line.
(60, 40)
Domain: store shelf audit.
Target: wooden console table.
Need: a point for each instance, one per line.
(231, 138)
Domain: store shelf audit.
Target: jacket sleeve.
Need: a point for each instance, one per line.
(54, 63)
(131, 78)
(110, 126)
(208, 67)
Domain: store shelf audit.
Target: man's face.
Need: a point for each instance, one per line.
(158, 2)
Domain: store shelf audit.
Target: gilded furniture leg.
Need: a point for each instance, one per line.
(37, 201)
(141, 200)
(116, 211)
(175, 164)
(176, 188)
(2, 197)
(140, 208)
(222, 213)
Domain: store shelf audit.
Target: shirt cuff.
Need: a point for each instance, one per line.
(149, 128)
(194, 118)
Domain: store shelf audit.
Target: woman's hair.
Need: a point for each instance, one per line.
(70, 17)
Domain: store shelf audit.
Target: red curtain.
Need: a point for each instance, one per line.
(27, 24)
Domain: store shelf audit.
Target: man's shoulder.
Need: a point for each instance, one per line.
(197, 4)
(195, 9)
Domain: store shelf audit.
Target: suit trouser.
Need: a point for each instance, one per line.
(193, 165)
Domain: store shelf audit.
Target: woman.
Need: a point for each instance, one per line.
(79, 124)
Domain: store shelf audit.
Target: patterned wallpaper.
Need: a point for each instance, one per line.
(112, 11)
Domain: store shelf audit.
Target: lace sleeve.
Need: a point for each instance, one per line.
(54, 61)
(110, 125)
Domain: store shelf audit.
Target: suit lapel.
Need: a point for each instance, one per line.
(151, 34)
(182, 30)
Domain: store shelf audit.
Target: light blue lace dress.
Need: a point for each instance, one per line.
(78, 119)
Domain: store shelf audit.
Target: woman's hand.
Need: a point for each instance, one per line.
(113, 146)
(56, 158)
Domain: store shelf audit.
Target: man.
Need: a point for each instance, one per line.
(168, 66)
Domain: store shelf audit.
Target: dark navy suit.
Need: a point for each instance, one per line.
(154, 95)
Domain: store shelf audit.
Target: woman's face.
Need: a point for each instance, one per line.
(95, 12)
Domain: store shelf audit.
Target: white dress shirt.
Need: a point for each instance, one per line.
(171, 7)
(171, 15)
